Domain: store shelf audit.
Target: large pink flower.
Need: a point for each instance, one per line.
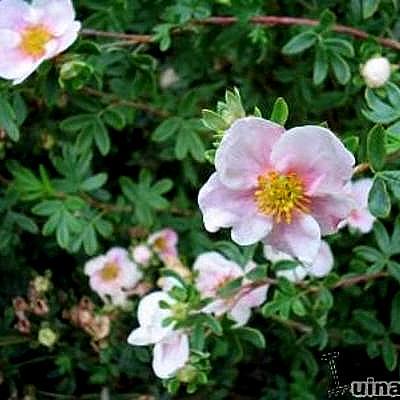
(112, 274)
(214, 271)
(283, 187)
(32, 33)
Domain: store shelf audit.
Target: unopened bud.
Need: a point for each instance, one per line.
(47, 337)
(187, 374)
(376, 72)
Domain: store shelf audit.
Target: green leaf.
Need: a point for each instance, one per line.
(369, 7)
(394, 270)
(166, 129)
(251, 335)
(8, 119)
(393, 180)
(340, 67)
(230, 288)
(382, 237)
(114, 118)
(280, 111)
(395, 314)
(94, 182)
(378, 199)
(76, 123)
(389, 354)
(300, 42)
(101, 137)
(376, 151)
(369, 322)
(214, 121)
(321, 65)
(341, 46)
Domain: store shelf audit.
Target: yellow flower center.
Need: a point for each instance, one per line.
(34, 40)
(160, 244)
(279, 196)
(109, 272)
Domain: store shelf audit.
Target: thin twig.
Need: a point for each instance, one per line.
(269, 20)
(109, 97)
(361, 168)
(134, 39)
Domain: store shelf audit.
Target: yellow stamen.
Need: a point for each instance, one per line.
(34, 40)
(109, 272)
(279, 196)
(160, 244)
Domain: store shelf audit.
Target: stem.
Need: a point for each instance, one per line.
(127, 37)
(116, 100)
(269, 20)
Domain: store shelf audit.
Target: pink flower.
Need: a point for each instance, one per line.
(360, 218)
(283, 187)
(164, 244)
(33, 33)
(171, 350)
(112, 274)
(321, 266)
(214, 271)
(141, 254)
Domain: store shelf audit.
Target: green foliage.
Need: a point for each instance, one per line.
(107, 143)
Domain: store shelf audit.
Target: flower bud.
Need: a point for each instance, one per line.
(141, 254)
(40, 307)
(41, 284)
(47, 337)
(376, 71)
(187, 374)
(168, 78)
(74, 74)
(23, 326)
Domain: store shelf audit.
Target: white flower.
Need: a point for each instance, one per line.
(214, 271)
(111, 274)
(376, 71)
(171, 350)
(321, 266)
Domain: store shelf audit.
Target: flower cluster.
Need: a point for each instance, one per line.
(36, 303)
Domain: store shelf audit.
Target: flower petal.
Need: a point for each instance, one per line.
(251, 229)
(241, 312)
(295, 274)
(170, 355)
(330, 210)
(56, 15)
(222, 207)
(315, 154)
(362, 220)
(323, 264)
(214, 269)
(244, 152)
(300, 239)
(13, 13)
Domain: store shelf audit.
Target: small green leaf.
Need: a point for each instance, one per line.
(280, 111)
(340, 67)
(376, 151)
(382, 237)
(8, 119)
(389, 354)
(214, 121)
(378, 199)
(300, 42)
(166, 129)
(395, 314)
(253, 336)
(321, 65)
(94, 182)
(369, 7)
